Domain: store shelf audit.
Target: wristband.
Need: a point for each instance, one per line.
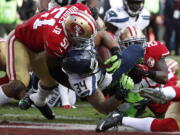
(151, 74)
(120, 93)
(115, 49)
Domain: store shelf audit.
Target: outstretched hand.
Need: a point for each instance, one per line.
(126, 82)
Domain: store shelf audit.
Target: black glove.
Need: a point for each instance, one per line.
(143, 70)
(120, 93)
(94, 12)
(116, 51)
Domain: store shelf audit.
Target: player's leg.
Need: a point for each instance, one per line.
(17, 65)
(68, 97)
(142, 124)
(46, 83)
(45, 86)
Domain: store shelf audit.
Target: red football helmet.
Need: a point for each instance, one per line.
(80, 26)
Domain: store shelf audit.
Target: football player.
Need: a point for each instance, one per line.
(42, 42)
(155, 61)
(132, 13)
(64, 99)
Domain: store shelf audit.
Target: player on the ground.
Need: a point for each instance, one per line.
(132, 13)
(56, 31)
(48, 4)
(42, 37)
(154, 62)
(62, 100)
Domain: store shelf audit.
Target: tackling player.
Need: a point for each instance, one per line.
(63, 99)
(155, 62)
(43, 41)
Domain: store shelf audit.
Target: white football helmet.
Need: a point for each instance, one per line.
(130, 36)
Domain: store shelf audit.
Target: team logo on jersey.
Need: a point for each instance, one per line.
(77, 29)
(151, 62)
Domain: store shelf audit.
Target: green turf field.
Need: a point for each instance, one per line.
(84, 113)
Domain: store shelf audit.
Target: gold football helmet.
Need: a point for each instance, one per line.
(131, 35)
(80, 25)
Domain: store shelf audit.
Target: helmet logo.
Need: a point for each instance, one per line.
(77, 29)
(151, 62)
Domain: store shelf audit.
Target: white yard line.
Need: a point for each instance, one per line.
(40, 116)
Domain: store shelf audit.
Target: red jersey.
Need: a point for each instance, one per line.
(45, 30)
(154, 51)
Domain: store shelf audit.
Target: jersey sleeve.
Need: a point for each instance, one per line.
(145, 15)
(154, 51)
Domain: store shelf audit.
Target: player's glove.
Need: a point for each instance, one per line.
(122, 88)
(126, 82)
(115, 60)
(143, 70)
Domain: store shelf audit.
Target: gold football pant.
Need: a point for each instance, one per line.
(20, 60)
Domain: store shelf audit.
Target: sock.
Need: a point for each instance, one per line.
(72, 97)
(39, 98)
(143, 124)
(63, 91)
(3, 98)
(169, 92)
(165, 125)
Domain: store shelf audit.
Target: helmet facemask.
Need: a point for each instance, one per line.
(131, 36)
(133, 7)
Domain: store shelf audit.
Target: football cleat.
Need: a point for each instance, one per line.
(26, 103)
(112, 120)
(154, 94)
(46, 112)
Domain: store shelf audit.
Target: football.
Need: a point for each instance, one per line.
(103, 54)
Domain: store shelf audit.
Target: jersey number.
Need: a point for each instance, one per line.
(80, 86)
(51, 21)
